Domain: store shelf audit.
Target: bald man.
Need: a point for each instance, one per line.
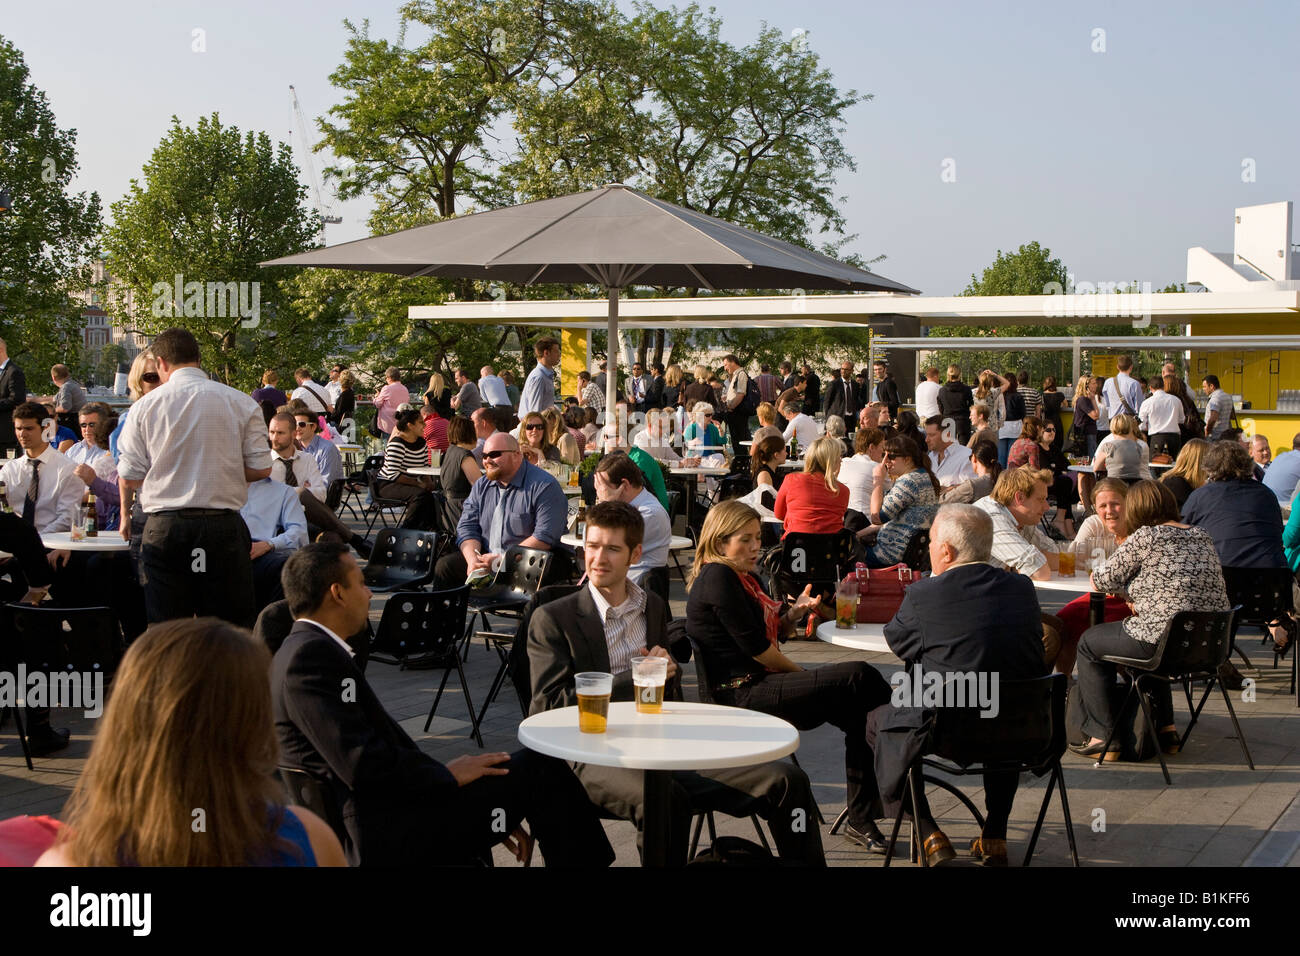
(492, 388)
(514, 503)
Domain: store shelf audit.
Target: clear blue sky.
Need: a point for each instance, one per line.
(1118, 161)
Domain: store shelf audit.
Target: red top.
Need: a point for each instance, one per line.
(1024, 451)
(805, 505)
(435, 432)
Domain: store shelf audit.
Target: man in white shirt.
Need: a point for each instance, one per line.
(334, 388)
(190, 447)
(1122, 392)
(1017, 505)
(619, 479)
(736, 416)
(288, 465)
(1160, 416)
(311, 394)
(949, 461)
(492, 388)
(927, 395)
(86, 451)
(42, 485)
(799, 425)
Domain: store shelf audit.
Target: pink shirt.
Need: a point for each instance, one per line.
(391, 397)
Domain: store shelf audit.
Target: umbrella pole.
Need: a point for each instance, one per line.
(611, 362)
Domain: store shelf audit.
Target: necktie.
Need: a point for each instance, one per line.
(33, 490)
(290, 478)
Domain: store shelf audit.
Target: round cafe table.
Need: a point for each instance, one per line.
(1079, 584)
(860, 637)
(1088, 470)
(427, 470)
(104, 541)
(692, 476)
(686, 736)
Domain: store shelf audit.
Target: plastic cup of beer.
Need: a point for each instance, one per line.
(846, 605)
(1065, 560)
(649, 677)
(594, 689)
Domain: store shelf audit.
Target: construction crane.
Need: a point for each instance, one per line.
(325, 212)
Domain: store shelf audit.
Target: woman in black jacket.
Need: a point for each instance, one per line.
(738, 628)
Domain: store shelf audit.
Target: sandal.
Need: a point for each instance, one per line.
(1170, 741)
(992, 852)
(1288, 624)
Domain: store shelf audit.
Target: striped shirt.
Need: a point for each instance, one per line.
(624, 626)
(400, 456)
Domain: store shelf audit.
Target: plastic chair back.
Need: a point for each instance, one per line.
(1028, 729)
(917, 553)
(520, 670)
(318, 796)
(401, 558)
(1263, 593)
(422, 626)
(816, 559)
(1195, 642)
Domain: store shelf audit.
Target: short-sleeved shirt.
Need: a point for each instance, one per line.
(806, 505)
(1221, 402)
(908, 507)
(803, 428)
(70, 396)
(468, 399)
(531, 504)
(391, 397)
(1283, 475)
(658, 534)
(1015, 548)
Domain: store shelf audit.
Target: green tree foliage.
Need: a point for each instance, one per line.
(49, 236)
(214, 203)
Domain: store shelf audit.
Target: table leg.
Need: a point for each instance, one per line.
(655, 848)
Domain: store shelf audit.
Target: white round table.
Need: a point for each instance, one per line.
(572, 491)
(1079, 584)
(1088, 469)
(696, 472)
(428, 470)
(676, 543)
(686, 736)
(104, 541)
(346, 448)
(792, 464)
(860, 637)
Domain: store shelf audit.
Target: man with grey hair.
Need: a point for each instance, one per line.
(968, 617)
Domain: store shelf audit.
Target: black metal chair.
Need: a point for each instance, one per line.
(82, 640)
(1193, 647)
(380, 505)
(422, 630)
(1028, 734)
(917, 553)
(316, 795)
(521, 574)
(816, 559)
(334, 499)
(656, 582)
(401, 560)
(1264, 595)
(357, 482)
(519, 667)
(276, 621)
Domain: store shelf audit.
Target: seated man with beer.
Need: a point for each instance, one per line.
(602, 628)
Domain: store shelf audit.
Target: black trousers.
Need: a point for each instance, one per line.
(1099, 697)
(1166, 443)
(738, 427)
(198, 564)
(839, 694)
(777, 791)
(266, 578)
(542, 790)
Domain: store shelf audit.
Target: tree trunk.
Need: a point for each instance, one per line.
(659, 345)
(643, 347)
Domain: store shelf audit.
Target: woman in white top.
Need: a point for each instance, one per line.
(1012, 404)
(1122, 453)
(858, 475)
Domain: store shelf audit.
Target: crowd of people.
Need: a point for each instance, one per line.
(225, 499)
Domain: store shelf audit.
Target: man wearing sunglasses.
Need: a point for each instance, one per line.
(514, 503)
(326, 453)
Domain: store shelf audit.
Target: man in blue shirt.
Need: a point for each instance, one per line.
(1283, 475)
(514, 503)
(278, 527)
(539, 389)
(326, 453)
(1123, 386)
(492, 388)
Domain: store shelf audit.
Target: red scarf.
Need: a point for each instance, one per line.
(772, 610)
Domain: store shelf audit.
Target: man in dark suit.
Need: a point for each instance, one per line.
(399, 805)
(600, 628)
(842, 396)
(812, 396)
(968, 617)
(13, 392)
(886, 389)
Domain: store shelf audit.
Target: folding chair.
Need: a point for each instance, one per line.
(401, 560)
(816, 559)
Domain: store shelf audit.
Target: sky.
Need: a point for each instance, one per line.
(1116, 134)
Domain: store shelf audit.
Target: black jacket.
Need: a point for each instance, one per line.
(13, 392)
(843, 402)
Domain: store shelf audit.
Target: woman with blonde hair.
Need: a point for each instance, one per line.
(673, 378)
(188, 726)
(737, 627)
(1085, 414)
(559, 436)
(698, 390)
(345, 408)
(1123, 454)
(814, 502)
(1188, 472)
(438, 394)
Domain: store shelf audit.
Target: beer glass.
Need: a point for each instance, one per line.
(649, 676)
(594, 689)
(846, 604)
(1065, 559)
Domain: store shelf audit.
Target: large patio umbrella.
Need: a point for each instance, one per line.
(614, 236)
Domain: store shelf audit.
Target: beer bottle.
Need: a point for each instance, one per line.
(5, 507)
(580, 523)
(92, 525)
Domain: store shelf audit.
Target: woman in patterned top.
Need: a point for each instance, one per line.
(1164, 567)
(1025, 450)
(909, 506)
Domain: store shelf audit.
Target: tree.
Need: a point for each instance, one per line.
(186, 244)
(49, 236)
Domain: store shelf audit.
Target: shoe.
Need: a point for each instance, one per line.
(1287, 623)
(1170, 741)
(992, 852)
(871, 842)
(938, 850)
(1229, 676)
(361, 546)
(1094, 751)
(43, 741)
(1056, 534)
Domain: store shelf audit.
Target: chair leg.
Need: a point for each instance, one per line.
(1151, 727)
(1042, 813)
(1065, 810)
(437, 697)
(22, 736)
(898, 820)
(758, 828)
(695, 837)
(497, 682)
(1105, 748)
(1241, 737)
(469, 704)
(1196, 714)
(956, 792)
